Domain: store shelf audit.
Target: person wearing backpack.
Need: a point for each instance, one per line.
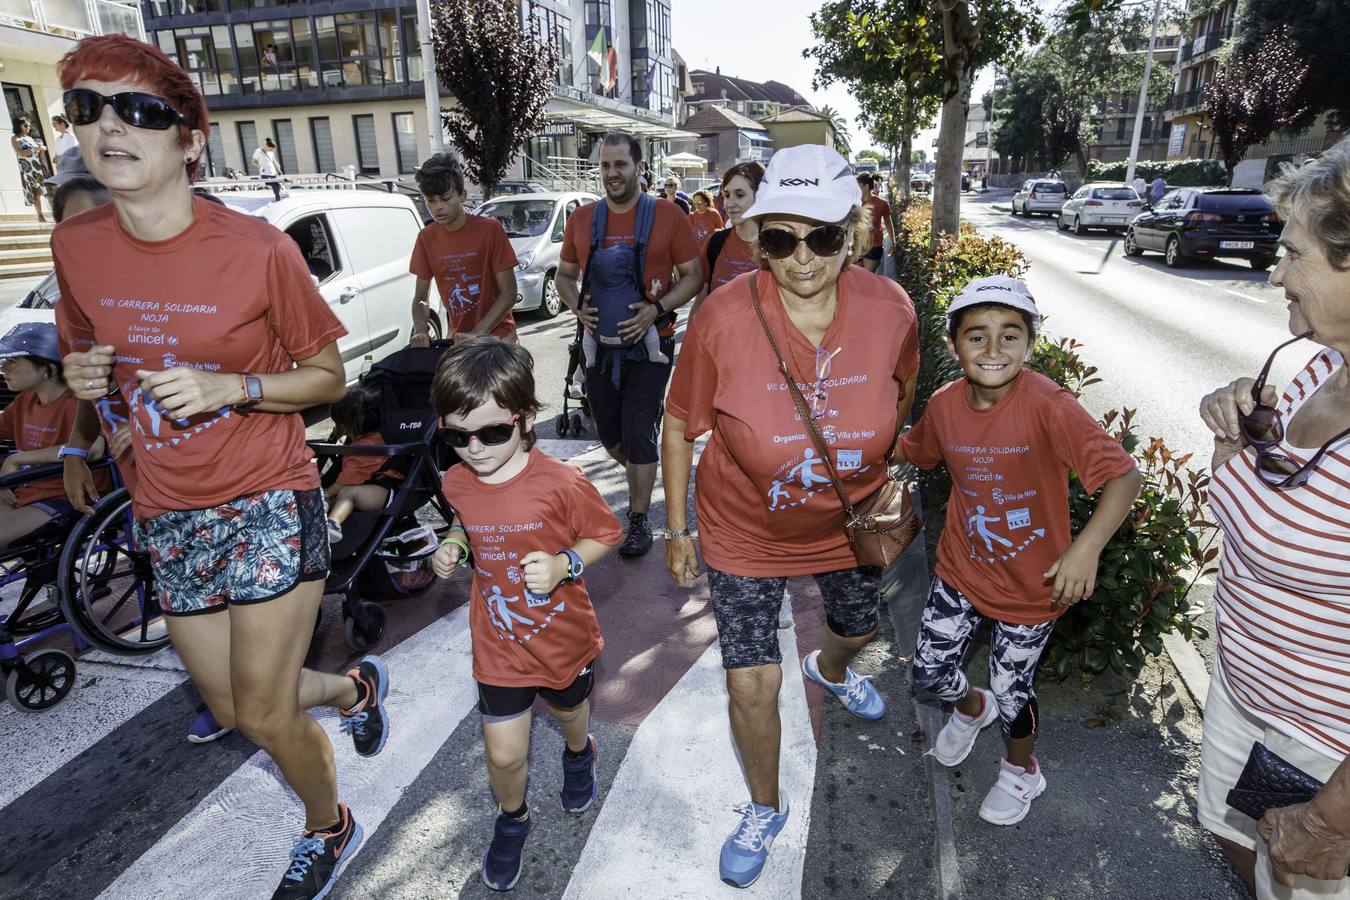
(731, 251)
(630, 247)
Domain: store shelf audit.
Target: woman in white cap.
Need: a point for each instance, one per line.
(766, 504)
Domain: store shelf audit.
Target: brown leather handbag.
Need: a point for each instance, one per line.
(884, 523)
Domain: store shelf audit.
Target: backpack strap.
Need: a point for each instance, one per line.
(599, 221)
(646, 216)
(716, 242)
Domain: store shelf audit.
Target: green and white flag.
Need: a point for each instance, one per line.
(597, 49)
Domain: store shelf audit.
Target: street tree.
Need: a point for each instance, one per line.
(893, 116)
(1317, 30)
(1253, 95)
(869, 153)
(839, 125)
(501, 71)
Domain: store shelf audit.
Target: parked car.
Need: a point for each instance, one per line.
(356, 243)
(1040, 195)
(1207, 223)
(922, 183)
(965, 181)
(534, 223)
(1106, 205)
(515, 187)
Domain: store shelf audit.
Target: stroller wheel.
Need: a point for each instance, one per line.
(577, 426)
(365, 629)
(41, 681)
(562, 424)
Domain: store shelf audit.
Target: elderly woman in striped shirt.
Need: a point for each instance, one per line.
(1281, 493)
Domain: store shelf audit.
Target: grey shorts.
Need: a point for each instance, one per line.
(746, 610)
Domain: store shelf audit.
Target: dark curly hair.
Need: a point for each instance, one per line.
(441, 174)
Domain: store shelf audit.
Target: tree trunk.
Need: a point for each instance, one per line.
(906, 147)
(947, 175)
(1080, 156)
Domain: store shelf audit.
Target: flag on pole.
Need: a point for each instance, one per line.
(597, 50)
(612, 78)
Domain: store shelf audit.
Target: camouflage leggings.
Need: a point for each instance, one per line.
(1014, 650)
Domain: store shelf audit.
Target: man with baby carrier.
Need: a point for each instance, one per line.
(630, 248)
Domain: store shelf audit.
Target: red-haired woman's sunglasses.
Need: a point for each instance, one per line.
(84, 106)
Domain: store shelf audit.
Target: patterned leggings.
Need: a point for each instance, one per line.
(1014, 650)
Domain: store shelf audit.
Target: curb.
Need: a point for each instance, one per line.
(1190, 665)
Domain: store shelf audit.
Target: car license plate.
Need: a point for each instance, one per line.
(1236, 245)
(1114, 220)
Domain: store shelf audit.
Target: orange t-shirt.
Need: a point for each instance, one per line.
(229, 294)
(672, 243)
(1008, 514)
(30, 424)
(112, 415)
(704, 224)
(361, 469)
(765, 504)
(464, 264)
(736, 258)
(520, 641)
(880, 210)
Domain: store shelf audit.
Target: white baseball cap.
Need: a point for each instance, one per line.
(809, 180)
(1001, 289)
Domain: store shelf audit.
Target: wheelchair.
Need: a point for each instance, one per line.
(83, 577)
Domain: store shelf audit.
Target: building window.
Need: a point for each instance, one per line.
(215, 153)
(205, 55)
(322, 135)
(598, 19)
(304, 53)
(277, 52)
(414, 45)
(248, 142)
(1120, 129)
(556, 28)
(249, 65)
(405, 142)
(391, 47)
(285, 137)
(597, 13)
(1148, 128)
(367, 152)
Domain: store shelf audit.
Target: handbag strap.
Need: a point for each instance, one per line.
(802, 409)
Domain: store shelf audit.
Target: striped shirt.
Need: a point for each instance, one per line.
(1283, 593)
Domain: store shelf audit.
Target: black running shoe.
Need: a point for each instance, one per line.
(502, 862)
(317, 858)
(638, 540)
(579, 787)
(366, 722)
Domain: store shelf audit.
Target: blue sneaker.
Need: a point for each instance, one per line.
(502, 862)
(204, 729)
(856, 693)
(366, 722)
(747, 849)
(579, 786)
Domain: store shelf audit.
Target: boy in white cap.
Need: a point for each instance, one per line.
(1009, 439)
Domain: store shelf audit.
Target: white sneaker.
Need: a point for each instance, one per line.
(1009, 800)
(957, 738)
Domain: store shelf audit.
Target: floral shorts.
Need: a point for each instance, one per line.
(253, 549)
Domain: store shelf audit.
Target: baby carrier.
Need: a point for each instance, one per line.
(614, 275)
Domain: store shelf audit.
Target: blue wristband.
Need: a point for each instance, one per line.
(72, 451)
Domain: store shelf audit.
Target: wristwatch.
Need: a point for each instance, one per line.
(574, 566)
(253, 391)
(72, 451)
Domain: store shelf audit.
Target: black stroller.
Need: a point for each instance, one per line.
(386, 554)
(574, 391)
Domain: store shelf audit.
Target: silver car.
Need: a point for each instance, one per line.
(534, 223)
(1109, 205)
(1039, 195)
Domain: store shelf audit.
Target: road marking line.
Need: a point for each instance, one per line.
(1242, 295)
(239, 836)
(666, 815)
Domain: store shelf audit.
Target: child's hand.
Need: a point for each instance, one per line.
(543, 571)
(444, 561)
(1075, 575)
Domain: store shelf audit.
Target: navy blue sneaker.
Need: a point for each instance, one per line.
(502, 863)
(318, 858)
(366, 722)
(747, 849)
(579, 787)
(205, 729)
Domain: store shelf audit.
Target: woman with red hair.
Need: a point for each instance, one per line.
(208, 325)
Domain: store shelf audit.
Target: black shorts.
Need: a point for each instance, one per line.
(874, 254)
(746, 610)
(508, 702)
(629, 417)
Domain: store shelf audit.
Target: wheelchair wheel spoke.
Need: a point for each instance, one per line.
(121, 601)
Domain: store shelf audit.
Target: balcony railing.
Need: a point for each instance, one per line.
(76, 18)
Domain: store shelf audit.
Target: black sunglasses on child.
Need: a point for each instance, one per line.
(140, 110)
(1263, 428)
(823, 240)
(488, 435)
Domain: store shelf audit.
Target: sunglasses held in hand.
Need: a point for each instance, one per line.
(1263, 428)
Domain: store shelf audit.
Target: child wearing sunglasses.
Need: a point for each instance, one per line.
(363, 483)
(529, 525)
(1009, 439)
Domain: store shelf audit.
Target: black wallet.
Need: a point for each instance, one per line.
(1269, 781)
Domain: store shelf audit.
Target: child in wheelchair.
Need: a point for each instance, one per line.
(364, 482)
(36, 423)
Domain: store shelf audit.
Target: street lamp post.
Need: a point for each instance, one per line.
(431, 83)
(1143, 95)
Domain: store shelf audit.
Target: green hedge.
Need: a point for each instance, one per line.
(1177, 173)
(1148, 567)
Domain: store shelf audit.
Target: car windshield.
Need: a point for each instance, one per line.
(1049, 187)
(1114, 193)
(520, 218)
